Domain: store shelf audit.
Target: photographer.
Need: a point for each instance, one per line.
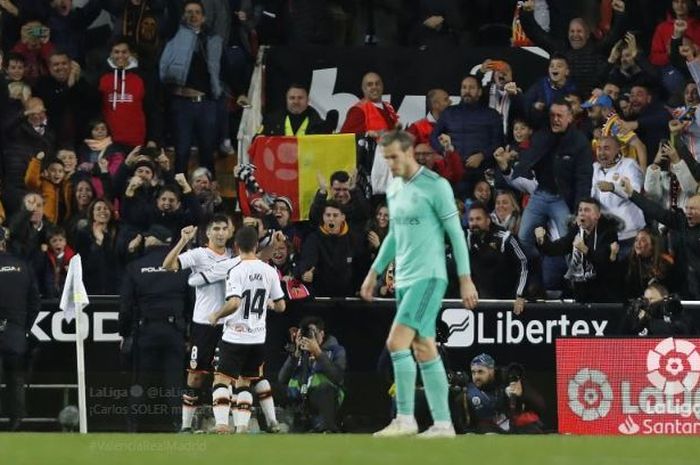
(657, 313)
(501, 401)
(314, 373)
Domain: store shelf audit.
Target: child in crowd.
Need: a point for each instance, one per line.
(51, 183)
(58, 256)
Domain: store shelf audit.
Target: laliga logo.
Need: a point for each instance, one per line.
(590, 394)
(680, 357)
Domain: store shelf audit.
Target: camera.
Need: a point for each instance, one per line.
(308, 332)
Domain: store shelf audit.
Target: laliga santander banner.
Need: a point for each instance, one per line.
(641, 386)
(289, 166)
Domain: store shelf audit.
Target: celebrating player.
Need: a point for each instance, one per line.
(422, 209)
(249, 286)
(209, 298)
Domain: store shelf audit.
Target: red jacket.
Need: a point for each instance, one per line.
(364, 116)
(123, 93)
(662, 39)
(450, 167)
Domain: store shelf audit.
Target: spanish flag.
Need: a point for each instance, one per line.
(289, 166)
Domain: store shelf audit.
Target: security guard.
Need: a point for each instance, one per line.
(154, 311)
(19, 307)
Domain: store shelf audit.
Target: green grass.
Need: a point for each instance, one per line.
(172, 449)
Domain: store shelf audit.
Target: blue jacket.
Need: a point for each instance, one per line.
(472, 127)
(177, 57)
(542, 91)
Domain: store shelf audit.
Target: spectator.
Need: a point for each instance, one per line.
(70, 100)
(207, 191)
(607, 123)
(504, 94)
(35, 47)
(343, 191)
(555, 86)
(585, 57)
(437, 100)
(69, 160)
(686, 226)
(648, 115)
(475, 130)
(298, 119)
(69, 25)
(27, 135)
(142, 22)
(669, 180)
(190, 66)
(83, 195)
(284, 260)
(129, 100)
(522, 134)
(15, 67)
(282, 211)
(314, 374)
(506, 213)
(370, 116)
(438, 25)
(627, 66)
(591, 246)
(610, 167)
(28, 231)
(648, 263)
(377, 229)
(449, 165)
(679, 23)
(686, 115)
(498, 262)
(58, 256)
(50, 180)
(333, 259)
(97, 246)
(560, 157)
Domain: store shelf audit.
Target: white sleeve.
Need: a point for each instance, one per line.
(685, 178)
(234, 287)
(652, 184)
(189, 259)
(276, 292)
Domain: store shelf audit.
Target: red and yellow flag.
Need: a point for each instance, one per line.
(289, 166)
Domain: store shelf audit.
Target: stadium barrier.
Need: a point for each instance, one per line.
(528, 339)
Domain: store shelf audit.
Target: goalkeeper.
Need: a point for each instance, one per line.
(422, 210)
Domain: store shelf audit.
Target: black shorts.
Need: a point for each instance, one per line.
(204, 339)
(241, 360)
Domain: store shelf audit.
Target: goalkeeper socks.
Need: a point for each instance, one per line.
(190, 401)
(221, 401)
(436, 389)
(264, 392)
(405, 378)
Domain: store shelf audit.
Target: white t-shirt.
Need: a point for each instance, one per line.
(254, 282)
(209, 297)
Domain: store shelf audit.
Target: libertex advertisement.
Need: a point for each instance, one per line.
(624, 386)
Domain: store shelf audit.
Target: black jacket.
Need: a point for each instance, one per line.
(150, 293)
(605, 285)
(340, 262)
(274, 123)
(357, 211)
(571, 165)
(20, 301)
(499, 265)
(689, 242)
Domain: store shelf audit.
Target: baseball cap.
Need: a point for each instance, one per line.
(484, 360)
(600, 100)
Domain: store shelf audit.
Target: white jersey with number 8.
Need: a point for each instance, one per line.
(254, 282)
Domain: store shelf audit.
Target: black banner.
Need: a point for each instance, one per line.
(334, 75)
(360, 327)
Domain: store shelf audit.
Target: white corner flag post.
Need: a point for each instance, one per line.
(73, 300)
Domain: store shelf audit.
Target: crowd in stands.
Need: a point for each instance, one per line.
(583, 185)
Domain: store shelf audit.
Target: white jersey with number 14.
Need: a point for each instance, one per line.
(254, 282)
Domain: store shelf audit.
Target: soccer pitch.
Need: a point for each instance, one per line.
(173, 449)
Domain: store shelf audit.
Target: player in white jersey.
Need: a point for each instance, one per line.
(250, 285)
(209, 298)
